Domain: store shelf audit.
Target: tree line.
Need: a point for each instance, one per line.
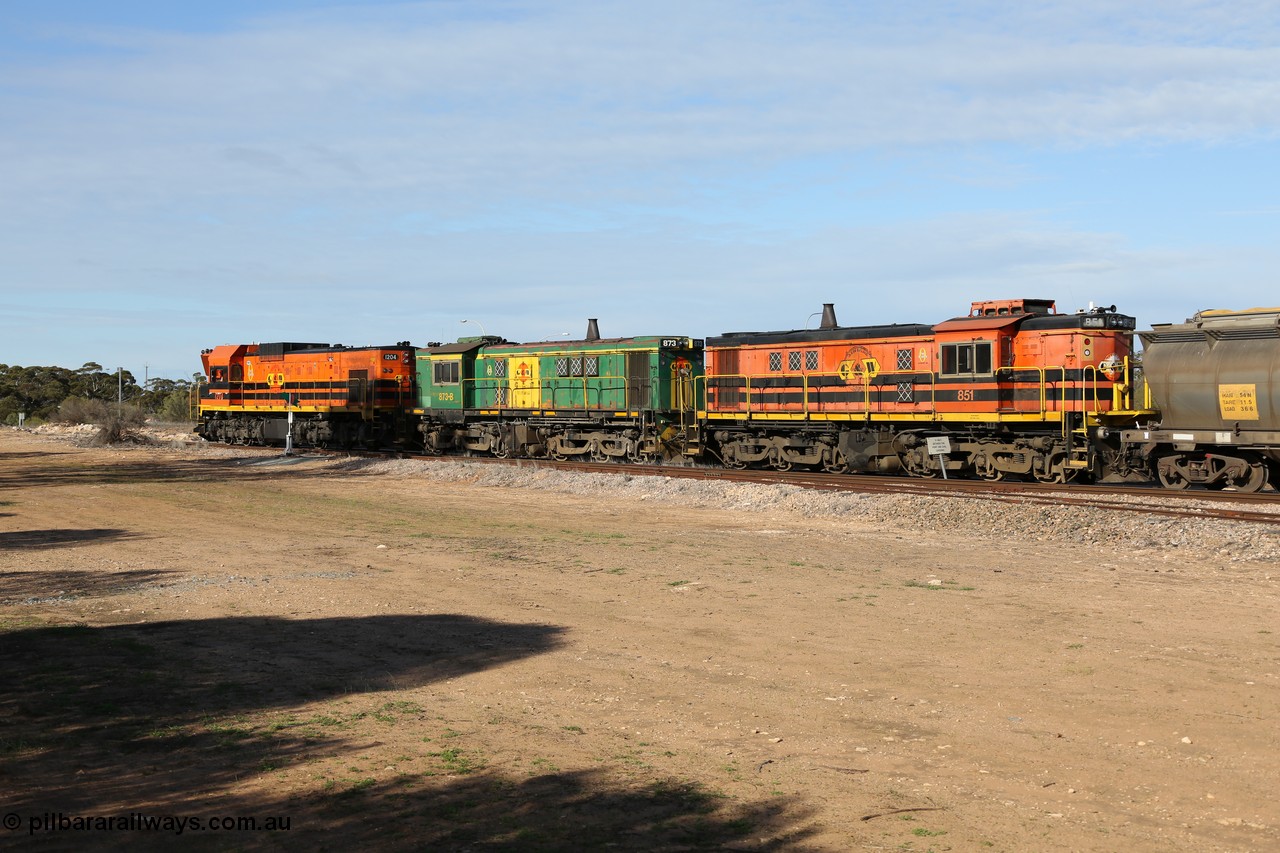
(53, 393)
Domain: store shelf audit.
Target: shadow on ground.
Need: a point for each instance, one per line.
(565, 811)
(53, 469)
(78, 704)
(171, 718)
(40, 587)
(60, 538)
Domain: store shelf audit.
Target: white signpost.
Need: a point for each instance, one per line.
(940, 446)
(288, 436)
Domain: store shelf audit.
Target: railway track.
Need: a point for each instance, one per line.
(1150, 500)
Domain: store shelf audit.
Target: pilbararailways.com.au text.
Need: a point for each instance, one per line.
(50, 822)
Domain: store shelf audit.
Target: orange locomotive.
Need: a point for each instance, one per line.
(1012, 389)
(336, 396)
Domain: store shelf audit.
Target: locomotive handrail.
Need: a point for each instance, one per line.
(1090, 379)
(549, 389)
(562, 386)
(1087, 380)
(751, 391)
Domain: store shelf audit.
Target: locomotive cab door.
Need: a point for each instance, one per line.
(1003, 358)
(359, 392)
(639, 379)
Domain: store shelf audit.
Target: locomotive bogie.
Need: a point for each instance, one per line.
(1246, 471)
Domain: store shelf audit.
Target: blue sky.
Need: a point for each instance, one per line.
(181, 175)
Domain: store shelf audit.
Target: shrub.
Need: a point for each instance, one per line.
(176, 407)
(78, 410)
(118, 424)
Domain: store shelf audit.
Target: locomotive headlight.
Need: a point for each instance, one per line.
(1087, 352)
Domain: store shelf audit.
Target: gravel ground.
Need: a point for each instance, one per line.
(1123, 531)
(412, 654)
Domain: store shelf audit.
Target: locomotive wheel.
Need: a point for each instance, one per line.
(782, 465)
(839, 466)
(642, 457)
(1257, 476)
(916, 464)
(1049, 475)
(983, 467)
(1171, 479)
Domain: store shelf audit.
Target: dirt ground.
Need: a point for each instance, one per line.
(401, 662)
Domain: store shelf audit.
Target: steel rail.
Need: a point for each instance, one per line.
(1149, 500)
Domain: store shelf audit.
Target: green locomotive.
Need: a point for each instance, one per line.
(619, 399)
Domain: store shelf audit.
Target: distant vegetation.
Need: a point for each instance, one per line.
(90, 395)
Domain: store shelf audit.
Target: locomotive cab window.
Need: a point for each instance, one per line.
(446, 372)
(966, 359)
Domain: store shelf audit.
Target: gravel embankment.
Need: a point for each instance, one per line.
(998, 521)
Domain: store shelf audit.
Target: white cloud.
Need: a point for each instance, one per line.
(686, 166)
(553, 93)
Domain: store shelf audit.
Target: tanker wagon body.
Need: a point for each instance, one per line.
(1216, 381)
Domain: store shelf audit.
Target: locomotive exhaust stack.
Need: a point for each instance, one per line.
(593, 330)
(828, 316)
